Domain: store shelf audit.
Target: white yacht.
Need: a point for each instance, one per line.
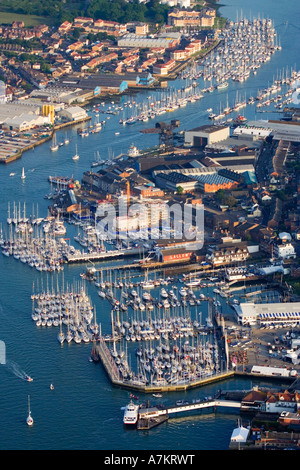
(193, 283)
(29, 419)
(54, 145)
(183, 292)
(61, 337)
(147, 285)
(146, 296)
(76, 156)
(131, 413)
(164, 293)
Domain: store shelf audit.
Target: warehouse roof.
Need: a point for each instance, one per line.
(209, 128)
(175, 177)
(214, 178)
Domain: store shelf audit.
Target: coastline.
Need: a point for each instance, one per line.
(16, 156)
(173, 75)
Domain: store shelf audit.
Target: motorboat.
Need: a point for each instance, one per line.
(146, 296)
(131, 414)
(183, 292)
(28, 379)
(164, 293)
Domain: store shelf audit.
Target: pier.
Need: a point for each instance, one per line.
(100, 256)
(150, 417)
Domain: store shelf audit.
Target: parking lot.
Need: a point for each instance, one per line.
(260, 346)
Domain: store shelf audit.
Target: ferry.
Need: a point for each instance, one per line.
(131, 414)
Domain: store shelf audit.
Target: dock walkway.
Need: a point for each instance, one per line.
(111, 254)
(150, 413)
(150, 417)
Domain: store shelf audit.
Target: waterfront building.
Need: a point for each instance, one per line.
(227, 254)
(188, 18)
(74, 113)
(281, 401)
(175, 255)
(286, 313)
(22, 116)
(206, 135)
(97, 83)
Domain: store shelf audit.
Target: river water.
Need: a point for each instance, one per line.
(84, 410)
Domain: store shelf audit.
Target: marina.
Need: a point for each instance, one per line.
(105, 325)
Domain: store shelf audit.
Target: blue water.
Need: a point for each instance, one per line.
(84, 410)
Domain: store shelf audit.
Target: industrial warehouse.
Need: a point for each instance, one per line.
(283, 314)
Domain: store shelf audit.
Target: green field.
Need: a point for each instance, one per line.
(7, 17)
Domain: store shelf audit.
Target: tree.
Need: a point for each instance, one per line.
(220, 194)
(230, 201)
(180, 190)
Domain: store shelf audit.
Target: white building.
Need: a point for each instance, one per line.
(25, 122)
(287, 313)
(74, 113)
(206, 135)
(255, 132)
(177, 3)
(284, 250)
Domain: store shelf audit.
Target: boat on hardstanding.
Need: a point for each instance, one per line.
(131, 414)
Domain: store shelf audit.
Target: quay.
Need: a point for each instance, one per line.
(14, 150)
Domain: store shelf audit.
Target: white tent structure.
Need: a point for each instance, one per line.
(239, 434)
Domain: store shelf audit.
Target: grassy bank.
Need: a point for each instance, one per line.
(7, 16)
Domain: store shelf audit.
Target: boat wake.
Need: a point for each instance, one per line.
(16, 370)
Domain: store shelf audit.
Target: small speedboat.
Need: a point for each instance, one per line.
(28, 379)
(51, 387)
